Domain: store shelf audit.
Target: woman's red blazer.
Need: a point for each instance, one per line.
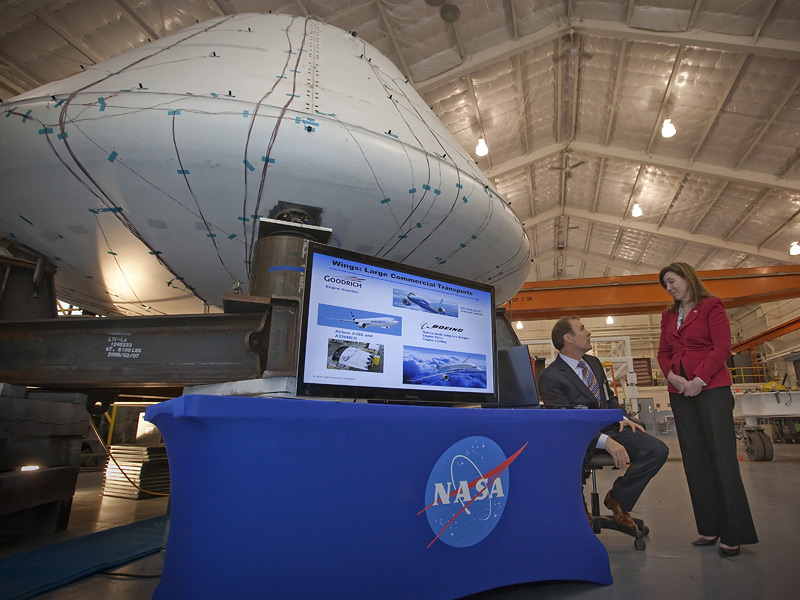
(702, 344)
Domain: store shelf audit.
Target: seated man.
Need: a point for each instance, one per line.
(575, 378)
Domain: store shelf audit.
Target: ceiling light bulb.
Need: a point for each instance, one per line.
(519, 324)
(637, 210)
(481, 149)
(668, 129)
(794, 249)
(609, 320)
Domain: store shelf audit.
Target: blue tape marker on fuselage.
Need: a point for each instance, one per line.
(287, 268)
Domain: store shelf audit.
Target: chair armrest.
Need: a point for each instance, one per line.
(599, 460)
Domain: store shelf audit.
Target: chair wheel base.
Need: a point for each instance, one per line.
(601, 522)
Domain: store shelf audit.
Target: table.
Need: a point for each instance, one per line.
(290, 498)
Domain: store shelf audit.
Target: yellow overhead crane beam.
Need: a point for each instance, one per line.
(643, 294)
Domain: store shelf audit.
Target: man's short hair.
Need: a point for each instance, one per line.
(562, 327)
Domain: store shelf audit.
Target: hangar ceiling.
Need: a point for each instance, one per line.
(570, 96)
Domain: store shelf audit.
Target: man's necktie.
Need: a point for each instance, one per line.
(591, 380)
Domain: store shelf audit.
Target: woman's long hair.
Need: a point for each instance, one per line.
(696, 287)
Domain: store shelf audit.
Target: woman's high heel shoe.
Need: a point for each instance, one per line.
(729, 552)
(704, 541)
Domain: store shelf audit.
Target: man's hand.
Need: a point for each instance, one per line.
(628, 423)
(618, 453)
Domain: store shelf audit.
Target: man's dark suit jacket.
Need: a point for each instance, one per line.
(560, 385)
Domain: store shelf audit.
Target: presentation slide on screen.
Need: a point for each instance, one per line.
(377, 327)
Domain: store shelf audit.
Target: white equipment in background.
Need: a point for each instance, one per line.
(763, 405)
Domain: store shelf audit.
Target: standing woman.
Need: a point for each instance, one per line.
(694, 347)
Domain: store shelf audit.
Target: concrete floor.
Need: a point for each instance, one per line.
(669, 567)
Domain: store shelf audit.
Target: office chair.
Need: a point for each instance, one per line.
(600, 522)
(518, 389)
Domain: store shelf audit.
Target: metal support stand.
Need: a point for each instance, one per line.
(256, 340)
(26, 289)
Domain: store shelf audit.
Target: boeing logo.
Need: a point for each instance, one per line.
(467, 491)
(440, 327)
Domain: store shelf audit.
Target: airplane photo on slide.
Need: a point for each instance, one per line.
(414, 300)
(430, 366)
(346, 318)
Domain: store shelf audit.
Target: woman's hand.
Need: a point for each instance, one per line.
(677, 381)
(692, 388)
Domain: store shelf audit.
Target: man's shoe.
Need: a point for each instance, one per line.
(621, 515)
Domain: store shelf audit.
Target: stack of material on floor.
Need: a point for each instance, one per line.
(146, 466)
(40, 453)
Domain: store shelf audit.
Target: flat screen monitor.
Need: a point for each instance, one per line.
(376, 329)
(516, 378)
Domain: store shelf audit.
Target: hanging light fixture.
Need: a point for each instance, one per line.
(609, 320)
(519, 324)
(637, 210)
(668, 129)
(481, 149)
(794, 249)
(450, 12)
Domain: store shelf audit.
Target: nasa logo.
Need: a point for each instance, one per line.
(467, 491)
(440, 327)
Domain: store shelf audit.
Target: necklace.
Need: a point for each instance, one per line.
(682, 313)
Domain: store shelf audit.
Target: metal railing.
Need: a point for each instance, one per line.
(752, 374)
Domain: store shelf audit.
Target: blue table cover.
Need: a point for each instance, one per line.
(290, 498)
